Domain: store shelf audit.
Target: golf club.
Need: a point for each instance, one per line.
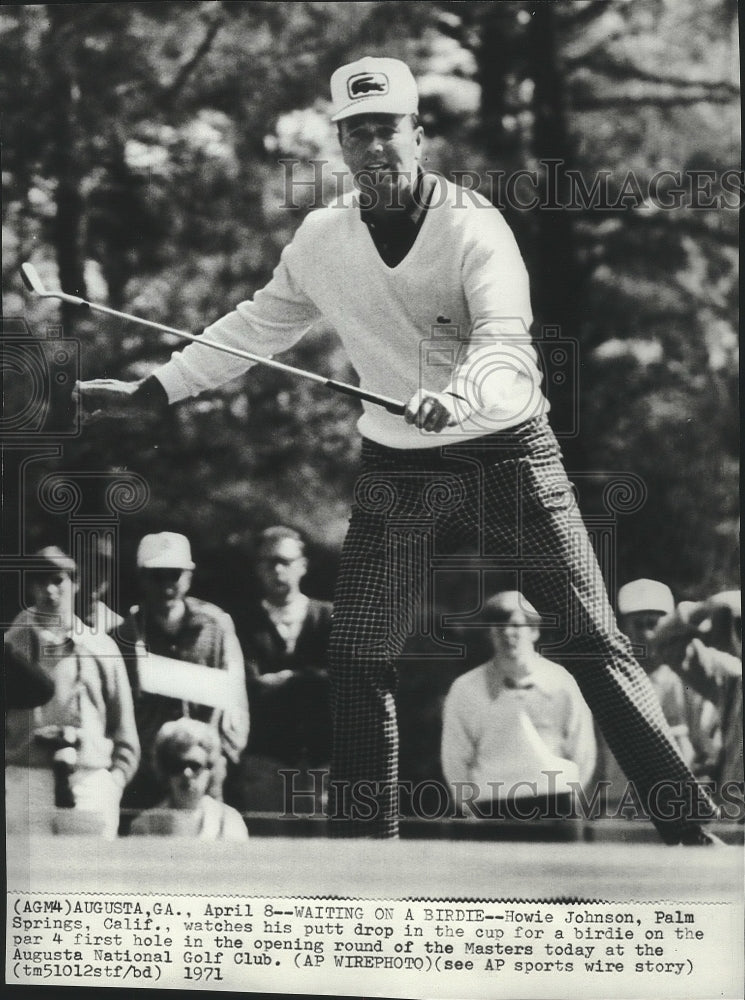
(33, 282)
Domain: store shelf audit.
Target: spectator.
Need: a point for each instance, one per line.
(285, 637)
(84, 736)
(186, 753)
(95, 584)
(703, 643)
(516, 727)
(183, 630)
(641, 604)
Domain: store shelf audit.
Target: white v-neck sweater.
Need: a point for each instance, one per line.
(453, 317)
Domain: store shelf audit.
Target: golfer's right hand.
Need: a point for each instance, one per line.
(101, 398)
(104, 397)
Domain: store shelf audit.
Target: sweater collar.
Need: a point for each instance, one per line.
(409, 216)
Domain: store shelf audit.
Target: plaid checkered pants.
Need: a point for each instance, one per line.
(508, 494)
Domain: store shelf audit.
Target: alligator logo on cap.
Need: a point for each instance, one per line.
(367, 83)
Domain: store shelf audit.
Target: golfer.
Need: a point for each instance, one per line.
(425, 285)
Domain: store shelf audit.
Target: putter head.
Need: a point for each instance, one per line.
(31, 279)
(33, 282)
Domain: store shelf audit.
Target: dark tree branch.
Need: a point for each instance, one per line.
(630, 71)
(632, 102)
(172, 91)
(579, 17)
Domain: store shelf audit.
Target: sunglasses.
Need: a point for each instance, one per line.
(174, 767)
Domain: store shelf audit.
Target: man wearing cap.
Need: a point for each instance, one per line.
(427, 290)
(181, 630)
(702, 642)
(640, 606)
(517, 736)
(86, 728)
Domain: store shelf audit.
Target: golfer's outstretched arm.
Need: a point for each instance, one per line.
(278, 316)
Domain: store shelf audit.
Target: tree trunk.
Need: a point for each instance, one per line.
(64, 162)
(494, 56)
(556, 280)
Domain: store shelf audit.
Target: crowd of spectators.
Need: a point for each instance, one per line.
(172, 720)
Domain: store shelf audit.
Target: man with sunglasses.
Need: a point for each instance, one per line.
(177, 628)
(424, 282)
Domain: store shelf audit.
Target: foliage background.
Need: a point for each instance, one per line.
(141, 168)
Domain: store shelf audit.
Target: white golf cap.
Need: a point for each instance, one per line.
(373, 85)
(645, 595)
(166, 550)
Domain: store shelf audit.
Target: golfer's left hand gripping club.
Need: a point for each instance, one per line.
(33, 282)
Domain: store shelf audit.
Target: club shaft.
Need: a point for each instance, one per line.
(392, 405)
(225, 348)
